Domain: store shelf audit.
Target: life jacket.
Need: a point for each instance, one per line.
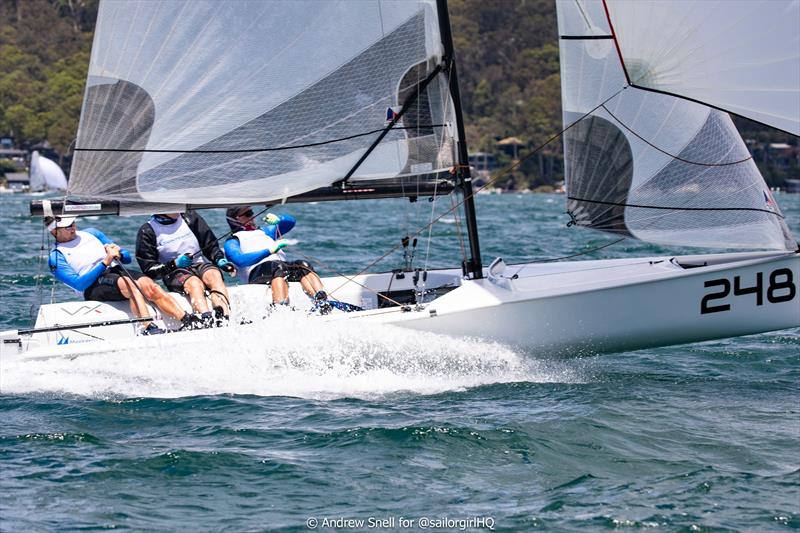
(256, 241)
(83, 252)
(176, 239)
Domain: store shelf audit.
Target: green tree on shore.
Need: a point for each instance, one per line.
(44, 57)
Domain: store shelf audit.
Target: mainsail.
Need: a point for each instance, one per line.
(200, 102)
(46, 174)
(651, 165)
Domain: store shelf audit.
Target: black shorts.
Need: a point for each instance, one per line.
(289, 270)
(177, 278)
(105, 289)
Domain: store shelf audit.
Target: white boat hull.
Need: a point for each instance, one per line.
(634, 304)
(566, 308)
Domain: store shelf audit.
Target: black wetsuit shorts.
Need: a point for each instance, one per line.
(105, 288)
(176, 279)
(289, 270)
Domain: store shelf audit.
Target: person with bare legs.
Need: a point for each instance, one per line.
(257, 253)
(89, 262)
(182, 250)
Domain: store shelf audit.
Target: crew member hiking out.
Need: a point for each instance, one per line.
(257, 253)
(182, 250)
(88, 262)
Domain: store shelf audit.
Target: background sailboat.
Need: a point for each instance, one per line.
(176, 115)
(45, 174)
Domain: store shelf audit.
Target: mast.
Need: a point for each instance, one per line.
(471, 266)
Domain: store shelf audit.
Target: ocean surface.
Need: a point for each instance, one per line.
(381, 428)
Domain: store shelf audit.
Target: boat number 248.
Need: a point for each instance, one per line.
(780, 288)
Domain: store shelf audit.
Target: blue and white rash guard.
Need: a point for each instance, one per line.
(246, 249)
(79, 262)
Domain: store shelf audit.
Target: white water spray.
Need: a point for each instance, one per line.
(291, 357)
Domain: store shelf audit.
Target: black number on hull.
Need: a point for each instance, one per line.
(774, 286)
(726, 288)
(781, 289)
(758, 290)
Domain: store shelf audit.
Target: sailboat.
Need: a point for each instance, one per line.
(45, 174)
(194, 104)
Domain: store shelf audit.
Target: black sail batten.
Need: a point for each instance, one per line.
(473, 265)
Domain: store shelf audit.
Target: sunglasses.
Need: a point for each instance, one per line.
(248, 214)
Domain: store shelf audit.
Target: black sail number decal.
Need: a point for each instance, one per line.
(705, 308)
(781, 282)
(781, 288)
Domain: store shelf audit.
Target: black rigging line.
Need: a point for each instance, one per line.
(256, 150)
(673, 156)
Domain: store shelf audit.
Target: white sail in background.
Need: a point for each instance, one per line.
(201, 102)
(46, 174)
(742, 57)
(653, 166)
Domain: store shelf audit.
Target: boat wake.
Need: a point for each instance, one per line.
(294, 358)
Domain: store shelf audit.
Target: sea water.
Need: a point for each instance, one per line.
(368, 428)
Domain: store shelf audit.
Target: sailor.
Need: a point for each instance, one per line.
(88, 261)
(182, 249)
(258, 255)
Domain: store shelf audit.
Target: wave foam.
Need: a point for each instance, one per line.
(284, 356)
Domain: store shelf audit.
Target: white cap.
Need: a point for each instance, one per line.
(61, 222)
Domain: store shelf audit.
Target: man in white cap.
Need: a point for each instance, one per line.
(87, 261)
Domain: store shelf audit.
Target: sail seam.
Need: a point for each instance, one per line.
(675, 208)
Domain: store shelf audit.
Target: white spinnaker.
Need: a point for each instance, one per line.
(739, 56)
(214, 82)
(46, 174)
(653, 166)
